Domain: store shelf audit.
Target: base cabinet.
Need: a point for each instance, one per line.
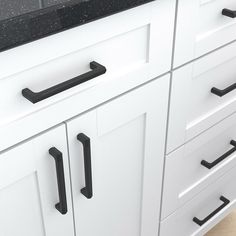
(114, 166)
(29, 188)
(205, 210)
(116, 158)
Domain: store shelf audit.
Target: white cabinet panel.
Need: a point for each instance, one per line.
(194, 108)
(198, 163)
(210, 207)
(29, 188)
(201, 28)
(127, 137)
(134, 46)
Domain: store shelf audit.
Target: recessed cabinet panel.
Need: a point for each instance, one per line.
(21, 208)
(201, 28)
(29, 188)
(203, 93)
(123, 179)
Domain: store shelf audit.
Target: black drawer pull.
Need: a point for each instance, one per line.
(202, 222)
(209, 165)
(223, 92)
(62, 205)
(87, 191)
(96, 70)
(229, 13)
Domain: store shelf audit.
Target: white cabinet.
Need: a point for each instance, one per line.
(117, 160)
(109, 110)
(205, 210)
(30, 178)
(201, 28)
(198, 163)
(134, 46)
(116, 154)
(194, 107)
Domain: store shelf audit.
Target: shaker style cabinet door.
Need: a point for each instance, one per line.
(34, 177)
(116, 157)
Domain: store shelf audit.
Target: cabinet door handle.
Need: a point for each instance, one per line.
(229, 13)
(57, 155)
(96, 70)
(209, 165)
(223, 92)
(87, 191)
(202, 222)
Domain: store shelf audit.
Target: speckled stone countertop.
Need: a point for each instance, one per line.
(23, 21)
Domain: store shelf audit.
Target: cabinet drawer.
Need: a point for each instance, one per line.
(218, 199)
(194, 106)
(132, 54)
(192, 167)
(201, 28)
(31, 185)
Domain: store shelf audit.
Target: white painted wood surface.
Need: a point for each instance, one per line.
(201, 28)
(134, 52)
(181, 223)
(185, 177)
(127, 142)
(28, 188)
(193, 108)
(127, 126)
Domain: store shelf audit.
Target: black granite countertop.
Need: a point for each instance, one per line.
(23, 21)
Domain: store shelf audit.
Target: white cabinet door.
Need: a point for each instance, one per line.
(29, 189)
(118, 192)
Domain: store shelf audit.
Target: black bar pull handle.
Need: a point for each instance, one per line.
(223, 92)
(229, 13)
(202, 222)
(210, 165)
(57, 155)
(87, 191)
(96, 70)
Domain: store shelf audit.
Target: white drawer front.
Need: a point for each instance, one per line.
(132, 53)
(201, 206)
(194, 108)
(192, 167)
(201, 28)
(132, 57)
